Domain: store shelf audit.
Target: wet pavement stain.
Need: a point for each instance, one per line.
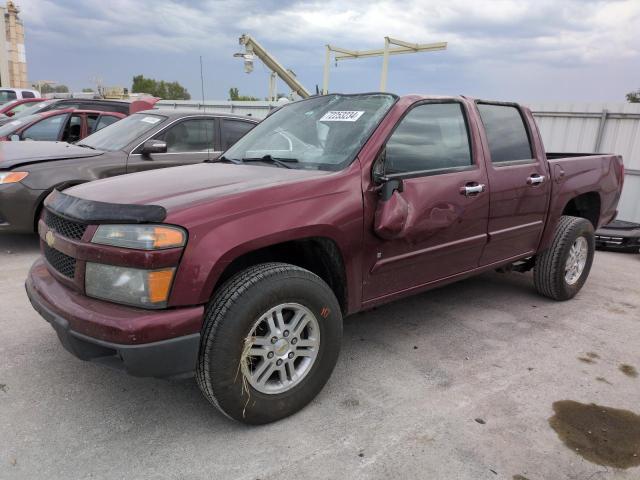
(628, 370)
(586, 360)
(593, 355)
(519, 477)
(603, 380)
(602, 435)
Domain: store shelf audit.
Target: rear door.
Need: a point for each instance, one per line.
(189, 140)
(232, 130)
(436, 226)
(519, 181)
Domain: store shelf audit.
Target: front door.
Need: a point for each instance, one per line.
(520, 187)
(192, 140)
(436, 226)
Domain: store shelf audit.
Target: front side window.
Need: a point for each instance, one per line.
(319, 133)
(47, 129)
(431, 136)
(506, 133)
(120, 134)
(189, 136)
(233, 130)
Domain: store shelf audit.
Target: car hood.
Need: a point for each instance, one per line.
(14, 154)
(184, 187)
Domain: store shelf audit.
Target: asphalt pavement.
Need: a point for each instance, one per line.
(456, 383)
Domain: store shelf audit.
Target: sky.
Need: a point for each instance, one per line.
(526, 50)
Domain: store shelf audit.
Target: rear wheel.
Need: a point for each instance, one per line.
(270, 341)
(561, 271)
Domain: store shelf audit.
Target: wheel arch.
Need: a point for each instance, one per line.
(586, 205)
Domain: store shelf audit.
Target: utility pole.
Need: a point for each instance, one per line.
(402, 47)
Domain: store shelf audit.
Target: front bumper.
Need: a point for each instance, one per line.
(160, 343)
(18, 208)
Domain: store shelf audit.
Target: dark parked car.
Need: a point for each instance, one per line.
(29, 171)
(119, 106)
(68, 125)
(619, 235)
(242, 270)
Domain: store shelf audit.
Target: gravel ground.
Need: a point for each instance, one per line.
(457, 383)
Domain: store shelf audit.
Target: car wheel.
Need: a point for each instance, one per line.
(561, 271)
(270, 340)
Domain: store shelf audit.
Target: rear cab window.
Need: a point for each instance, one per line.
(506, 133)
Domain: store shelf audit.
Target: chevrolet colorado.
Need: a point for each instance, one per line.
(241, 270)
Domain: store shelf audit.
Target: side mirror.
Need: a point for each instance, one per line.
(154, 146)
(14, 138)
(10, 114)
(386, 183)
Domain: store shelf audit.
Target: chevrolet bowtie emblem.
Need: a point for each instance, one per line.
(50, 238)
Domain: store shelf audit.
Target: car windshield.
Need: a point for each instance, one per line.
(33, 108)
(321, 133)
(13, 125)
(120, 134)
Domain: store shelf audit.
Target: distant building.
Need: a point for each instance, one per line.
(13, 61)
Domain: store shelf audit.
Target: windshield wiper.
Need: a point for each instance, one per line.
(84, 145)
(224, 159)
(280, 161)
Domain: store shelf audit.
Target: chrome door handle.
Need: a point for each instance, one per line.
(469, 190)
(535, 179)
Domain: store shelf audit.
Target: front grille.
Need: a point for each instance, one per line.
(64, 227)
(64, 264)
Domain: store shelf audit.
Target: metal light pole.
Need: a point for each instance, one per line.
(401, 48)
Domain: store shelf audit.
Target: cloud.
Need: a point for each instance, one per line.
(491, 44)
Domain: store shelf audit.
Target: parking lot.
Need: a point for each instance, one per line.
(457, 383)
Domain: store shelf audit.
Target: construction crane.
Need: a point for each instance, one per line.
(402, 47)
(254, 49)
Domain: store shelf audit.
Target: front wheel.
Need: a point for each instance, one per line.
(270, 341)
(561, 271)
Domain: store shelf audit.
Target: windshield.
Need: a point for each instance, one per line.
(13, 125)
(120, 134)
(321, 133)
(33, 108)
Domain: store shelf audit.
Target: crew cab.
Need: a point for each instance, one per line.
(241, 271)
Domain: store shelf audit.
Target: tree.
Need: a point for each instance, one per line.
(235, 95)
(48, 88)
(159, 88)
(634, 97)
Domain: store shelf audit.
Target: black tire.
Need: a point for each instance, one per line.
(229, 318)
(549, 270)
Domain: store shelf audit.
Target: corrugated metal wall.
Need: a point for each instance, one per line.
(565, 127)
(597, 127)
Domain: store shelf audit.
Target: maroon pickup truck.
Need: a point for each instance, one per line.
(241, 270)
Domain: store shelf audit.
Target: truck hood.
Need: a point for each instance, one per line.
(183, 187)
(14, 154)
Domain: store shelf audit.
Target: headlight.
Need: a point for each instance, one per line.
(142, 237)
(12, 177)
(131, 286)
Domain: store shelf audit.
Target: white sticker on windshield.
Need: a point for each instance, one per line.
(15, 122)
(341, 116)
(150, 120)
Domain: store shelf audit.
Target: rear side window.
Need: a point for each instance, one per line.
(104, 121)
(234, 130)
(430, 137)
(506, 133)
(27, 94)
